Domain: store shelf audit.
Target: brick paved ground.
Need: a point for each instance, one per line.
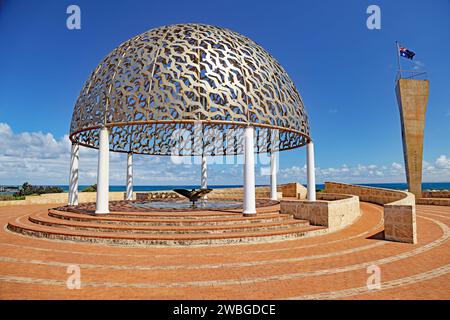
(330, 266)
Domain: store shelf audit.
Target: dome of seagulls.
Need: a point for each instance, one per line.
(190, 89)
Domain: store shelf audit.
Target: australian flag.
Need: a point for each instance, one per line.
(408, 54)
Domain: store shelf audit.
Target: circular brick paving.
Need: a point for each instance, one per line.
(328, 266)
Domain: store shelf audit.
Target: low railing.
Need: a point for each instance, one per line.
(411, 74)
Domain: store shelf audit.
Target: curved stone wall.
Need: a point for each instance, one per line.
(436, 194)
(330, 210)
(435, 198)
(399, 208)
(371, 194)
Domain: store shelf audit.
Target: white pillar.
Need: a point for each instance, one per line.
(103, 172)
(273, 176)
(249, 172)
(204, 181)
(129, 193)
(204, 177)
(311, 171)
(73, 177)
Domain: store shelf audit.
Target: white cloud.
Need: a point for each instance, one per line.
(396, 166)
(40, 158)
(418, 65)
(372, 173)
(442, 162)
(5, 130)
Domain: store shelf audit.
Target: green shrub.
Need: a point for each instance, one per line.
(9, 197)
(27, 190)
(6, 197)
(92, 188)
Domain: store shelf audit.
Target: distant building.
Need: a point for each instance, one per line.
(8, 189)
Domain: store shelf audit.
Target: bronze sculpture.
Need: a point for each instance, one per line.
(194, 194)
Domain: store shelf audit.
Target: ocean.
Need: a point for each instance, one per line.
(398, 186)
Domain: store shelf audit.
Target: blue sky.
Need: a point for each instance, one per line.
(344, 72)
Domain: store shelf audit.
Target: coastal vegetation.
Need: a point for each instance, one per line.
(8, 197)
(92, 188)
(27, 190)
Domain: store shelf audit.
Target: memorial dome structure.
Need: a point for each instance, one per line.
(188, 90)
(180, 76)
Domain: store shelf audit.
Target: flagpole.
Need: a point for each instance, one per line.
(398, 58)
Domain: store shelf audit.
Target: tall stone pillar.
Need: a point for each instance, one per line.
(412, 97)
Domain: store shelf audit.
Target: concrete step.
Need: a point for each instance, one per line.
(45, 219)
(107, 219)
(134, 212)
(24, 226)
(174, 215)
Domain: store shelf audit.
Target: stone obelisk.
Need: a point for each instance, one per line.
(412, 97)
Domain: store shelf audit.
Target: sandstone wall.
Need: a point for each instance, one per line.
(59, 198)
(293, 190)
(399, 208)
(237, 193)
(330, 210)
(434, 201)
(142, 196)
(436, 194)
